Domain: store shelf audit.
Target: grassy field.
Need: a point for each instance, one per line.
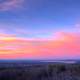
(39, 71)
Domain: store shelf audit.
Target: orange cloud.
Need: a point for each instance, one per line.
(64, 45)
(10, 4)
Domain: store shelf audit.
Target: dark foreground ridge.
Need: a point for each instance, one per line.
(37, 70)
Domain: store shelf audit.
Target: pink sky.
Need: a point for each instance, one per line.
(64, 45)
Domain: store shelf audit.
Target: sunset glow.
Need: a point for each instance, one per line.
(39, 29)
(66, 45)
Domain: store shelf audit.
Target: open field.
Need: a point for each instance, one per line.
(39, 71)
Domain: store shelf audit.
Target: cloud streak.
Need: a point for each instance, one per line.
(10, 4)
(65, 45)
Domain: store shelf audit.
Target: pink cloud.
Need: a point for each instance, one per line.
(65, 45)
(10, 4)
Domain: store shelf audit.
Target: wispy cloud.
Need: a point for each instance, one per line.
(10, 4)
(77, 26)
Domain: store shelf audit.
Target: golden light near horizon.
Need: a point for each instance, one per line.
(7, 37)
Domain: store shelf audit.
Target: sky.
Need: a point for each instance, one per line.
(40, 29)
